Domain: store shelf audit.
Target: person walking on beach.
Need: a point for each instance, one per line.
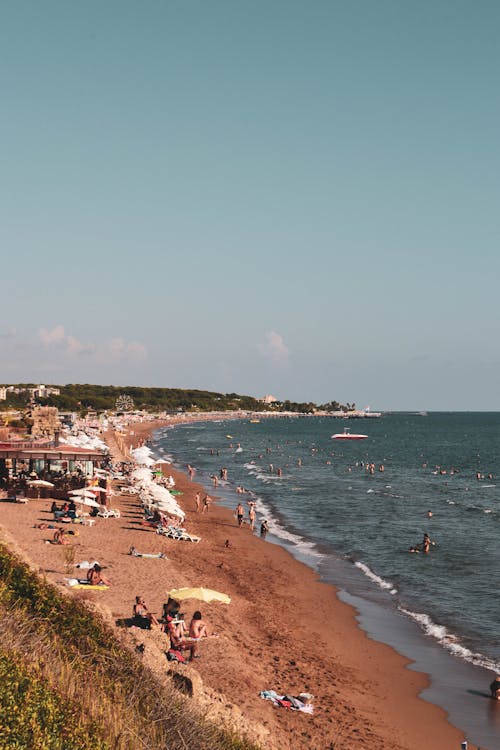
(197, 502)
(251, 514)
(206, 503)
(240, 512)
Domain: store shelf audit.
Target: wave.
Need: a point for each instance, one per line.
(381, 582)
(297, 542)
(450, 641)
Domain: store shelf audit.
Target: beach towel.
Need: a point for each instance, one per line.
(77, 583)
(175, 655)
(287, 701)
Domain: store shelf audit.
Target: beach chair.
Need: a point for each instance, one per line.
(171, 532)
(108, 512)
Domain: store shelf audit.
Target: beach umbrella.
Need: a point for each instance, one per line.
(39, 483)
(98, 489)
(204, 595)
(82, 493)
(86, 501)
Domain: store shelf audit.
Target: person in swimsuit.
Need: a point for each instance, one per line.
(251, 514)
(95, 576)
(177, 631)
(197, 630)
(59, 537)
(240, 512)
(142, 614)
(495, 688)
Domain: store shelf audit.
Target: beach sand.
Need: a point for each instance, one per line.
(284, 630)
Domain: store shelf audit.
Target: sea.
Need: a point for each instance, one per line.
(353, 510)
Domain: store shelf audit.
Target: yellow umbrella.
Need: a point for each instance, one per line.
(204, 595)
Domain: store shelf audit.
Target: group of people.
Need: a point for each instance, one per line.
(240, 514)
(240, 518)
(66, 510)
(425, 544)
(181, 638)
(202, 505)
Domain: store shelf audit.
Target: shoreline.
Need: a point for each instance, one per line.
(284, 629)
(452, 682)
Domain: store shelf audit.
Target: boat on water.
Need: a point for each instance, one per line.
(254, 421)
(348, 435)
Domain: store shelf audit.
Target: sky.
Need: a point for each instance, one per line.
(268, 197)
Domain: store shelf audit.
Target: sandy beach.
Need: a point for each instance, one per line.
(284, 630)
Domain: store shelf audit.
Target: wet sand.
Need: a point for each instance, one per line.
(284, 629)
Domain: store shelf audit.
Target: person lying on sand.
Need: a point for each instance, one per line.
(95, 577)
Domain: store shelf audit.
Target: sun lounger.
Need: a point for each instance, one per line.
(173, 533)
(159, 555)
(108, 513)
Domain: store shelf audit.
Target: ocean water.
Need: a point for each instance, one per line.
(355, 528)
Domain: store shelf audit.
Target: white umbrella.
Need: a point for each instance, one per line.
(82, 493)
(98, 489)
(39, 483)
(86, 501)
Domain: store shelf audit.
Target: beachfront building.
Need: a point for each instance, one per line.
(22, 459)
(268, 399)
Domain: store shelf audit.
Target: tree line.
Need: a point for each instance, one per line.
(84, 397)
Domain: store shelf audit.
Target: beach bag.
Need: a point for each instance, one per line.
(174, 655)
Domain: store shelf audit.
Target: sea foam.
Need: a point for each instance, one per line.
(381, 582)
(449, 641)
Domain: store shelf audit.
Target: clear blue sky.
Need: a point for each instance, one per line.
(296, 198)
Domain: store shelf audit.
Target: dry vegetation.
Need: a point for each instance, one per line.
(68, 683)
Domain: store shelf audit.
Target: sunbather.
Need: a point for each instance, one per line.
(59, 537)
(177, 632)
(95, 576)
(142, 615)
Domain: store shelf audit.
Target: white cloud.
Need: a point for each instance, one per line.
(129, 350)
(274, 348)
(136, 351)
(115, 350)
(55, 336)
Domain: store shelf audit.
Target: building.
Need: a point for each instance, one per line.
(268, 399)
(43, 391)
(46, 421)
(3, 393)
